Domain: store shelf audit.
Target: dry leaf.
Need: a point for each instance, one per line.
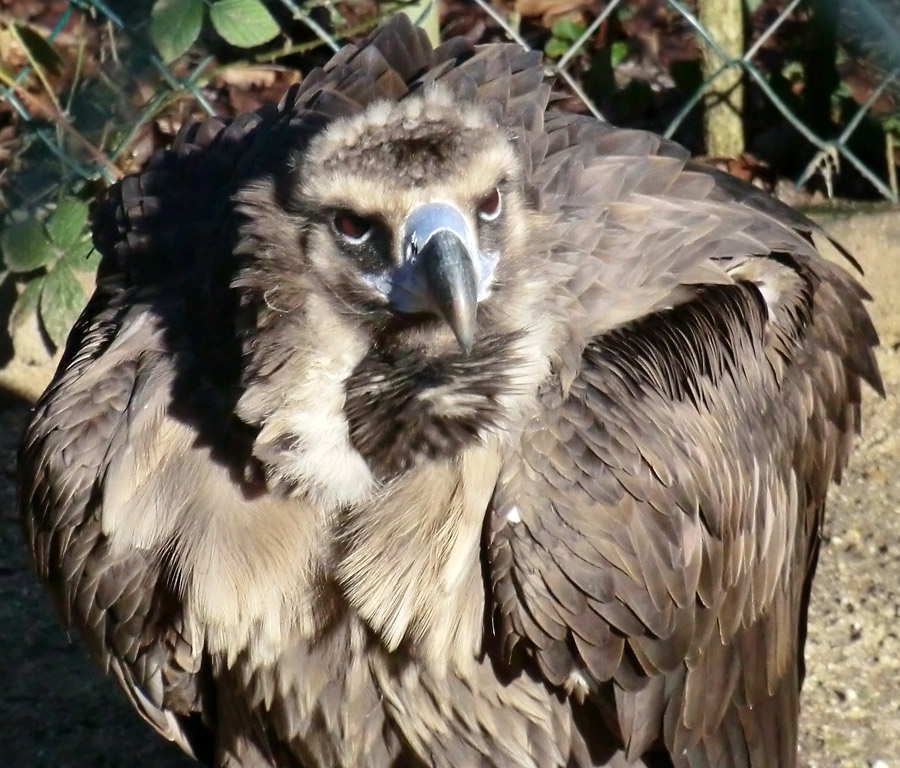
(550, 10)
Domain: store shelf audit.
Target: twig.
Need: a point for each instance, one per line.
(890, 142)
(35, 64)
(112, 42)
(50, 111)
(270, 56)
(65, 39)
(79, 63)
(324, 38)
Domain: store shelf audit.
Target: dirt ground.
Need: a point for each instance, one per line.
(851, 700)
(56, 711)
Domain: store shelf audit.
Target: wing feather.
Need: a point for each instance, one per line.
(120, 603)
(666, 501)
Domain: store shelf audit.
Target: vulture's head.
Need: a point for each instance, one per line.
(387, 275)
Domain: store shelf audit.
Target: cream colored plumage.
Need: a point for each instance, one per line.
(415, 423)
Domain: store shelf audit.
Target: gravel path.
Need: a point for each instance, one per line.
(57, 712)
(851, 701)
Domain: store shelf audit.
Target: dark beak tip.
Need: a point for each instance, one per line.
(450, 276)
(466, 341)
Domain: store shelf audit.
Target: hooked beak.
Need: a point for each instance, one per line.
(438, 274)
(450, 279)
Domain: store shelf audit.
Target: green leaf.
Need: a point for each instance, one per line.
(83, 257)
(792, 70)
(62, 300)
(26, 302)
(555, 48)
(26, 247)
(752, 5)
(244, 23)
(66, 225)
(41, 50)
(618, 52)
(175, 25)
(566, 29)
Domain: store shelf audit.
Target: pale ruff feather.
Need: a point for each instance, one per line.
(321, 459)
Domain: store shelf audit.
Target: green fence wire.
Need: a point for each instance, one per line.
(826, 149)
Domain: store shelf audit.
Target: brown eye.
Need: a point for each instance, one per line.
(352, 228)
(490, 205)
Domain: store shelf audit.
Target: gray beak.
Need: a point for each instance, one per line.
(450, 278)
(438, 274)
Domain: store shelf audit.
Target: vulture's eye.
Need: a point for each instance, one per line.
(352, 228)
(490, 205)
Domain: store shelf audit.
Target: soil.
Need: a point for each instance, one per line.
(56, 711)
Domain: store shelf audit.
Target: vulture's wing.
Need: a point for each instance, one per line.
(118, 599)
(652, 537)
(91, 481)
(134, 447)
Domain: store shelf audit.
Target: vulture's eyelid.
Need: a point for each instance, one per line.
(491, 205)
(353, 228)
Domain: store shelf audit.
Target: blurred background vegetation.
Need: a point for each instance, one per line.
(801, 97)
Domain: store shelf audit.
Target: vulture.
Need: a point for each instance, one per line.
(416, 422)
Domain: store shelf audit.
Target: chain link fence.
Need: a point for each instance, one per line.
(876, 22)
(602, 51)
